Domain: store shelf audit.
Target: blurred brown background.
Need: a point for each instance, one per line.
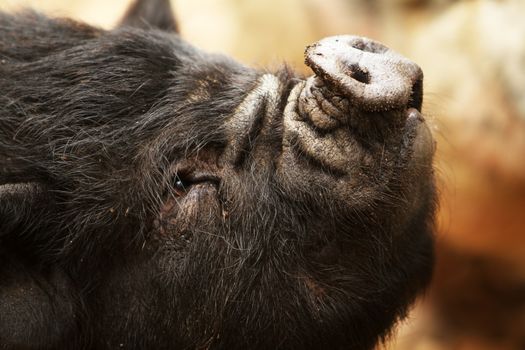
(473, 56)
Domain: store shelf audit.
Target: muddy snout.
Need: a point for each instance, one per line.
(363, 100)
(370, 76)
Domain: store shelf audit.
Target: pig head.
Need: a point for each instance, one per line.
(154, 196)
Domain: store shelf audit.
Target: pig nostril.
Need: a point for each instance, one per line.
(359, 45)
(358, 73)
(366, 45)
(416, 97)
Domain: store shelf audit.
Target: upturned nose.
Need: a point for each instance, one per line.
(368, 74)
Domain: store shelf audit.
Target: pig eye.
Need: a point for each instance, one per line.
(183, 182)
(181, 185)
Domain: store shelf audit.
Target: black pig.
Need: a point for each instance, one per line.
(153, 196)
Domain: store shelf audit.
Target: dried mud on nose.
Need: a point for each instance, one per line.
(373, 77)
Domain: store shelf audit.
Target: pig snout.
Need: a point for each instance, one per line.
(362, 97)
(371, 76)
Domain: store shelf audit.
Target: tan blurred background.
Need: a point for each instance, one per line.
(473, 56)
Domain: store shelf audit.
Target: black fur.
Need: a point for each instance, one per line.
(102, 247)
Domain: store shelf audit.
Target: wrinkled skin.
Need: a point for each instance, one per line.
(153, 196)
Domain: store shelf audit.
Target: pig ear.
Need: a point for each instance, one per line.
(150, 14)
(24, 196)
(21, 206)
